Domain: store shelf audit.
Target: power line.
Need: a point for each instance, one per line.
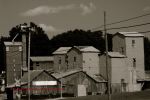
(117, 22)
(137, 25)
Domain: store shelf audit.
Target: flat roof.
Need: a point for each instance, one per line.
(42, 58)
(12, 43)
(131, 34)
(62, 50)
(116, 55)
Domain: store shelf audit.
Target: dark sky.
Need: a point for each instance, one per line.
(57, 16)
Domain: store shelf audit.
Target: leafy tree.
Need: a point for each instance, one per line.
(78, 37)
(39, 40)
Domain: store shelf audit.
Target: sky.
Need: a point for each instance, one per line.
(57, 16)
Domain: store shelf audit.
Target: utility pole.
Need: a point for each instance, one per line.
(29, 64)
(107, 67)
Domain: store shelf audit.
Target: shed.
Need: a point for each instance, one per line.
(38, 76)
(73, 78)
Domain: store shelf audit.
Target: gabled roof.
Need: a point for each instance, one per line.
(130, 34)
(115, 55)
(97, 78)
(68, 73)
(64, 74)
(87, 49)
(62, 50)
(12, 43)
(42, 58)
(33, 74)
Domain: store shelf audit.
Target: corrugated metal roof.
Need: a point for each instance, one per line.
(63, 74)
(62, 50)
(42, 58)
(116, 55)
(87, 48)
(97, 78)
(131, 34)
(12, 43)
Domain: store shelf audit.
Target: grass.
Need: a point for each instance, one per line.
(144, 95)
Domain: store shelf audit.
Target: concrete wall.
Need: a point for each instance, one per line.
(136, 52)
(91, 63)
(119, 70)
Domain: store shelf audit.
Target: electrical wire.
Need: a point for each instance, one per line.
(117, 22)
(137, 25)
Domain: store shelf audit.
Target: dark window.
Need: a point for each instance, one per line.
(59, 60)
(66, 59)
(133, 43)
(75, 59)
(37, 63)
(31, 68)
(122, 50)
(134, 62)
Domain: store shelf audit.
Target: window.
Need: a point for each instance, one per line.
(59, 60)
(134, 62)
(75, 59)
(66, 59)
(20, 48)
(37, 63)
(133, 43)
(31, 67)
(7, 48)
(122, 50)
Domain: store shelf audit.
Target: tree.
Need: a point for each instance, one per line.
(39, 39)
(79, 37)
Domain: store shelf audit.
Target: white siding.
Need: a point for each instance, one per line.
(91, 63)
(136, 52)
(119, 70)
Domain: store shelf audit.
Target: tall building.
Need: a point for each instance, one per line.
(13, 60)
(131, 44)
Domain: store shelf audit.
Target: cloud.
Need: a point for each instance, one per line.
(146, 8)
(86, 9)
(48, 28)
(47, 10)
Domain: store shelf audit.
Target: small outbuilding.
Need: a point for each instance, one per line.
(39, 83)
